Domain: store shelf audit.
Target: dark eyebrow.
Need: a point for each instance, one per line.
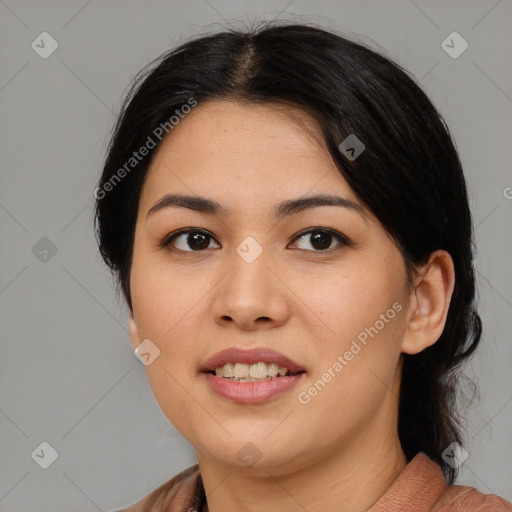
(292, 206)
(289, 207)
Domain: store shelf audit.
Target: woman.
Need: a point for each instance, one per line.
(287, 217)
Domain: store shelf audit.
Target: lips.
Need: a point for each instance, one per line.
(250, 356)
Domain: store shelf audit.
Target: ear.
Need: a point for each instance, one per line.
(429, 303)
(134, 332)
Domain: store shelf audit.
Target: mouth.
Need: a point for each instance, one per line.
(251, 376)
(257, 372)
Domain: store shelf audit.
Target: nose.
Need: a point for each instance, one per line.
(251, 296)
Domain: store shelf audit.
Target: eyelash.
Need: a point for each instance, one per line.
(342, 239)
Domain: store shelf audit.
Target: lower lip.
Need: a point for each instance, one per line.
(251, 392)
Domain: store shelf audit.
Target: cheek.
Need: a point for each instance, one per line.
(356, 367)
(163, 296)
(165, 302)
(345, 301)
(164, 306)
(357, 355)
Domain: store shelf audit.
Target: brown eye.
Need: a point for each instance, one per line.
(196, 240)
(322, 239)
(188, 240)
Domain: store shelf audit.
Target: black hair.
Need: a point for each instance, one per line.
(409, 174)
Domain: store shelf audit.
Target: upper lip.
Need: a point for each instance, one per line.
(250, 356)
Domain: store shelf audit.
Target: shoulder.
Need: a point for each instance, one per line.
(459, 498)
(421, 486)
(181, 492)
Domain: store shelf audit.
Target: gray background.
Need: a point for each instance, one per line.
(68, 374)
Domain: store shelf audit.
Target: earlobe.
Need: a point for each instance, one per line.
(429, 303)
(134, 332)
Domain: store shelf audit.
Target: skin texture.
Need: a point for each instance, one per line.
(342, 447)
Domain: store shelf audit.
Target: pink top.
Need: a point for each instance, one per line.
(420, 487)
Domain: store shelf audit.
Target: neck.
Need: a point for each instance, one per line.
(351, 478)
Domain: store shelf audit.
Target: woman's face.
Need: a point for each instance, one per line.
(253, 280)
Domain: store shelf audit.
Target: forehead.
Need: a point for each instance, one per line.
(245, 153)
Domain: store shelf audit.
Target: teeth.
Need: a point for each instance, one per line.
(241, 370)
(272, 369)
(250, 372)
(228, 370)
(258, 370)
